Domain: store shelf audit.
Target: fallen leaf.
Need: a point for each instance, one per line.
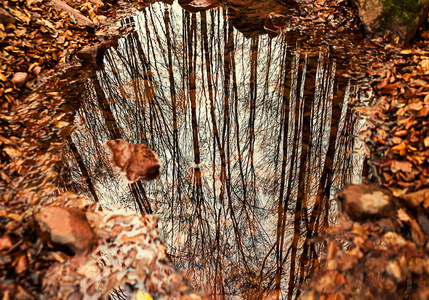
(60, 256)
(426, 142)
(12, 152)
(20, 264)
(415, 105)
(61, 124)
(135, 161)
(417, 83)
(15, 217)
(5, 242)
(416, 198)
(403, 166)
(401, 133)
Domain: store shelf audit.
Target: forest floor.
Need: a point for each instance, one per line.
(40, 41)
(380, 250)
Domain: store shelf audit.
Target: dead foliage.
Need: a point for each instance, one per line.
(385, 255)
(39, 77)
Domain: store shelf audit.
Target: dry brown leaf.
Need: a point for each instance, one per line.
(401, 133)
(5, 242)
(403, 166)
(416, 198)
(12, 152)
(16, 217)
(20, 264)
(60, 256)
(61, 124)
(426, 142)
(418, 83)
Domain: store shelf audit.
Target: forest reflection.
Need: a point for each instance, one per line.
(255, 137)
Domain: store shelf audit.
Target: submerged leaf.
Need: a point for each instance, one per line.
(135, 161)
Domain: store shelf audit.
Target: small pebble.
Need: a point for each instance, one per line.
(20, 79)
(102, 18)
(36, 70)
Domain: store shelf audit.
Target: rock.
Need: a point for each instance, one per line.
(195, 6)
(66, 229)
(5, 17)
(20, 79)
(135, 161)
(93, 55)
(252, 18)
(400, 18)
(361, 202)
(275, 23)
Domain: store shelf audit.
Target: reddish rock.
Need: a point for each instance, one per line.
(252, 18)
(136, 161)
(20, 79)
(361, 202)
(93, 55)
(275, 23)
(66, 229)
(194, 6)
(5, 17)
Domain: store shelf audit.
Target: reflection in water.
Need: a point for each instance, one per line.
(255, 137)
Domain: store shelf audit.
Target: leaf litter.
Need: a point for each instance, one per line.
(386, 256)
(38, 44)
(379, 256)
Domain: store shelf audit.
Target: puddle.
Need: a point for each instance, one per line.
(255, 136)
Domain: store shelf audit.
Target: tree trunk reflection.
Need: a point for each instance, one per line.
(255, 136)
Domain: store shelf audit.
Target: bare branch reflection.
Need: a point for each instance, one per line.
(255, 136)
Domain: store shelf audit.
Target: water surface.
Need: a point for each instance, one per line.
(255, 135)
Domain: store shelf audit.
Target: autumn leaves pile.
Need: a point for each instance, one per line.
(38, 43)
(399, 123)
(383, 257)
(380, 250)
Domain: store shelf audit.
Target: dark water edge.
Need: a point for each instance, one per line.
(256, 136)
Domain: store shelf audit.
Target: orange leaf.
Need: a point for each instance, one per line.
(21, 264)
(5, 242)
(403, 166)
